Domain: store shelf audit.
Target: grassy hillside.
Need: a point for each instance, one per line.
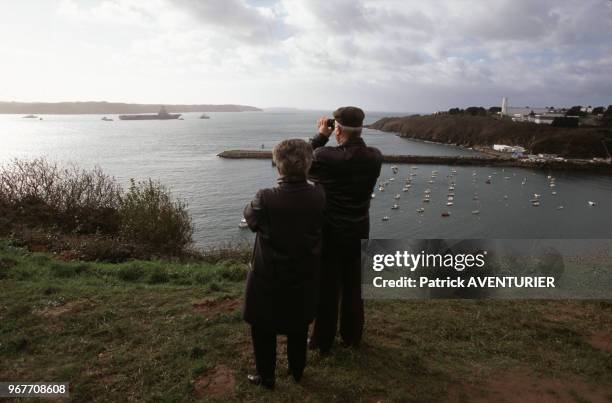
(481, 130)
(157, 330)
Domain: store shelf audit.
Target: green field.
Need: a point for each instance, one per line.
(167, 331)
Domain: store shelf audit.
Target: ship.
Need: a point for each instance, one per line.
(161, 115)
(204, 116)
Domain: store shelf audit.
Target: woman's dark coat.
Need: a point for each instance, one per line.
(281, 290)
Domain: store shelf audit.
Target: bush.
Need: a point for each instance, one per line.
(150, 216)
(130, 273)
(41, 193)
(40, 196)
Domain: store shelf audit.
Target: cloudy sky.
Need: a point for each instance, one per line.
(386, 55)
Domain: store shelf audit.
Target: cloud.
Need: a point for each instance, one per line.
(423, 55)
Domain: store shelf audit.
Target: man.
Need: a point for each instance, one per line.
(348, 173)
(281, 286)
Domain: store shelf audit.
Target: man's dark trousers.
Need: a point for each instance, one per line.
(340, 284)
(264, 344)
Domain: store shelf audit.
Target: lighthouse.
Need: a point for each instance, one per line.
(504, 106)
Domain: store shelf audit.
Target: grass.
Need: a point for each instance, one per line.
(153, 330)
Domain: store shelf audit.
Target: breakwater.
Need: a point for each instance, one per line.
(569, 165)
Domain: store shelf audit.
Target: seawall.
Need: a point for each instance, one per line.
(584, 166)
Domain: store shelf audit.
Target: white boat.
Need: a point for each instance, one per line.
(385, 218)
(535, 203)
(381, 188)
(560, 208)
(395, 207)
(425, 200)
(420, 210)
(449, 203)
(397, 196)
(536, 195)
(475, 211)
(373, 195)
(243, 224)
(591, 203)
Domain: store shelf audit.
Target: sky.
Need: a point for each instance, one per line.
(382, 55)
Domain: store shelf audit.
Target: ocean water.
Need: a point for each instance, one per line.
(182, 154)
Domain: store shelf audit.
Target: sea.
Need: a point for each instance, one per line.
(182, 154)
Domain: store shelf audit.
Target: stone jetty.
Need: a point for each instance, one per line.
(459, 160)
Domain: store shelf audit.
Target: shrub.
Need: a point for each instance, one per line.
(39, 196)
(150, 216)
(41, 193)
(130, 273)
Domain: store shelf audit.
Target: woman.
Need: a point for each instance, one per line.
(281, 286)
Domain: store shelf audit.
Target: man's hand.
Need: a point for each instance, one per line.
(322, 126)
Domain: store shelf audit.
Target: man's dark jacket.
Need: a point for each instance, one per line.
(348, 174)
(281, 290)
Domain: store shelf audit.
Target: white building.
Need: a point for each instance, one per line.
(508, 149)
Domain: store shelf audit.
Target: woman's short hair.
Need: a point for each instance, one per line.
(292, 157)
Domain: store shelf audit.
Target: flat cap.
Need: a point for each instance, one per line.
(349, 116)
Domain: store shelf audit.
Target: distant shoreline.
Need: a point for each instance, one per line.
(112, 108)
(478, 131)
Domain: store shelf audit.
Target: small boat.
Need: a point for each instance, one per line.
(420, 210)
(204, 116)
(243, 224)
(449, 203)
(488, 181)
(29, 117)
(391, 179)
(381, 188)
(450, 194)
(427, 191)
(536, 195)
(552, 185)
(430, 182)
(405, 189)
(415, 167)
(426, 200)
(450, 188)
(535, 203)
(560, 208)
(553, 193)
(475, 211)
(475, 197)
(395, 207)
(373, 195)
(446, 214)
(385, 218)
(591, 203)
(394, 169)
(450, 198)
(397, 196)
(106, 119)
(505, 197)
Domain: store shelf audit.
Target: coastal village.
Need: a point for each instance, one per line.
(574, 117)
